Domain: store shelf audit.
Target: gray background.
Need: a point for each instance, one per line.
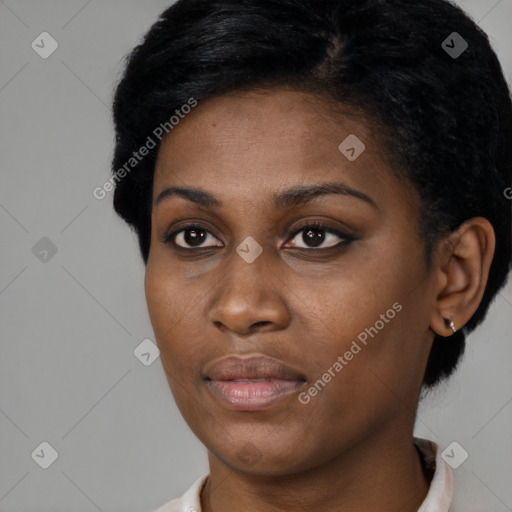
(69, 326)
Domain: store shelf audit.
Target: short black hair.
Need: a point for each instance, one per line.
(445, 110)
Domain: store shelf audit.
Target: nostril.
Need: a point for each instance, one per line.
(264, 322)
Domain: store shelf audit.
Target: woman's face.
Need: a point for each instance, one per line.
(345, 306)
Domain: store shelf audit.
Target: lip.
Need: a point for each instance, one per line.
(252, 383)
(251, 367)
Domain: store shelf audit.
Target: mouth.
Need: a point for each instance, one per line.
(252, 383)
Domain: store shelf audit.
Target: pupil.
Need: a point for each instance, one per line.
(309, 237)
(192, 237)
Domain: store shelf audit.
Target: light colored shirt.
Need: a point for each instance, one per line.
(438, 499)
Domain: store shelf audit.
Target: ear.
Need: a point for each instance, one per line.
(464, 261)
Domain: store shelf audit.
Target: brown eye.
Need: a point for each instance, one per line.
(315, 235)
(189, 237)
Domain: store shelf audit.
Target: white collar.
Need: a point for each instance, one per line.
(440, 493)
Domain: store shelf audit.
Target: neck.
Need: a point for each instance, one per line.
(382, 473)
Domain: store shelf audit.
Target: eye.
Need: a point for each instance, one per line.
(314, 235)
(189, 237)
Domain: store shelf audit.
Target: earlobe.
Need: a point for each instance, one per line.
(463, 275)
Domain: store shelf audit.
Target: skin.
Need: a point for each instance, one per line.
(350, 448)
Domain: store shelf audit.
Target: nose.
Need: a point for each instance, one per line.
(251, 297)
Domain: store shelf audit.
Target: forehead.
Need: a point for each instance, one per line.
(267, 139)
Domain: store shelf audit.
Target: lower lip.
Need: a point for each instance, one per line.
(252, 396)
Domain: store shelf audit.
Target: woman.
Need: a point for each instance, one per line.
(319, 192)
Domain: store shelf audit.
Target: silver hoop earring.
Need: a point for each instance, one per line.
(449, 323)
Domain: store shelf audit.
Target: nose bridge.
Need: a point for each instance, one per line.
(248, 293)
(248, 269)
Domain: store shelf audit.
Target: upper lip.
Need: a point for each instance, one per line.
(251, 367)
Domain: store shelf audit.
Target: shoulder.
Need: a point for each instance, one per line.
(453, 487)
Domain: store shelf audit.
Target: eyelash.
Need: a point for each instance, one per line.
(314, 225)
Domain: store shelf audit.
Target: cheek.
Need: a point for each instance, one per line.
(167, 299)
(173, 314)
(361, 351)
(158, 299)
(167, 313)
(353, 395)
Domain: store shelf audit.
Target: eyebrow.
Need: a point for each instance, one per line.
(292, 197)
